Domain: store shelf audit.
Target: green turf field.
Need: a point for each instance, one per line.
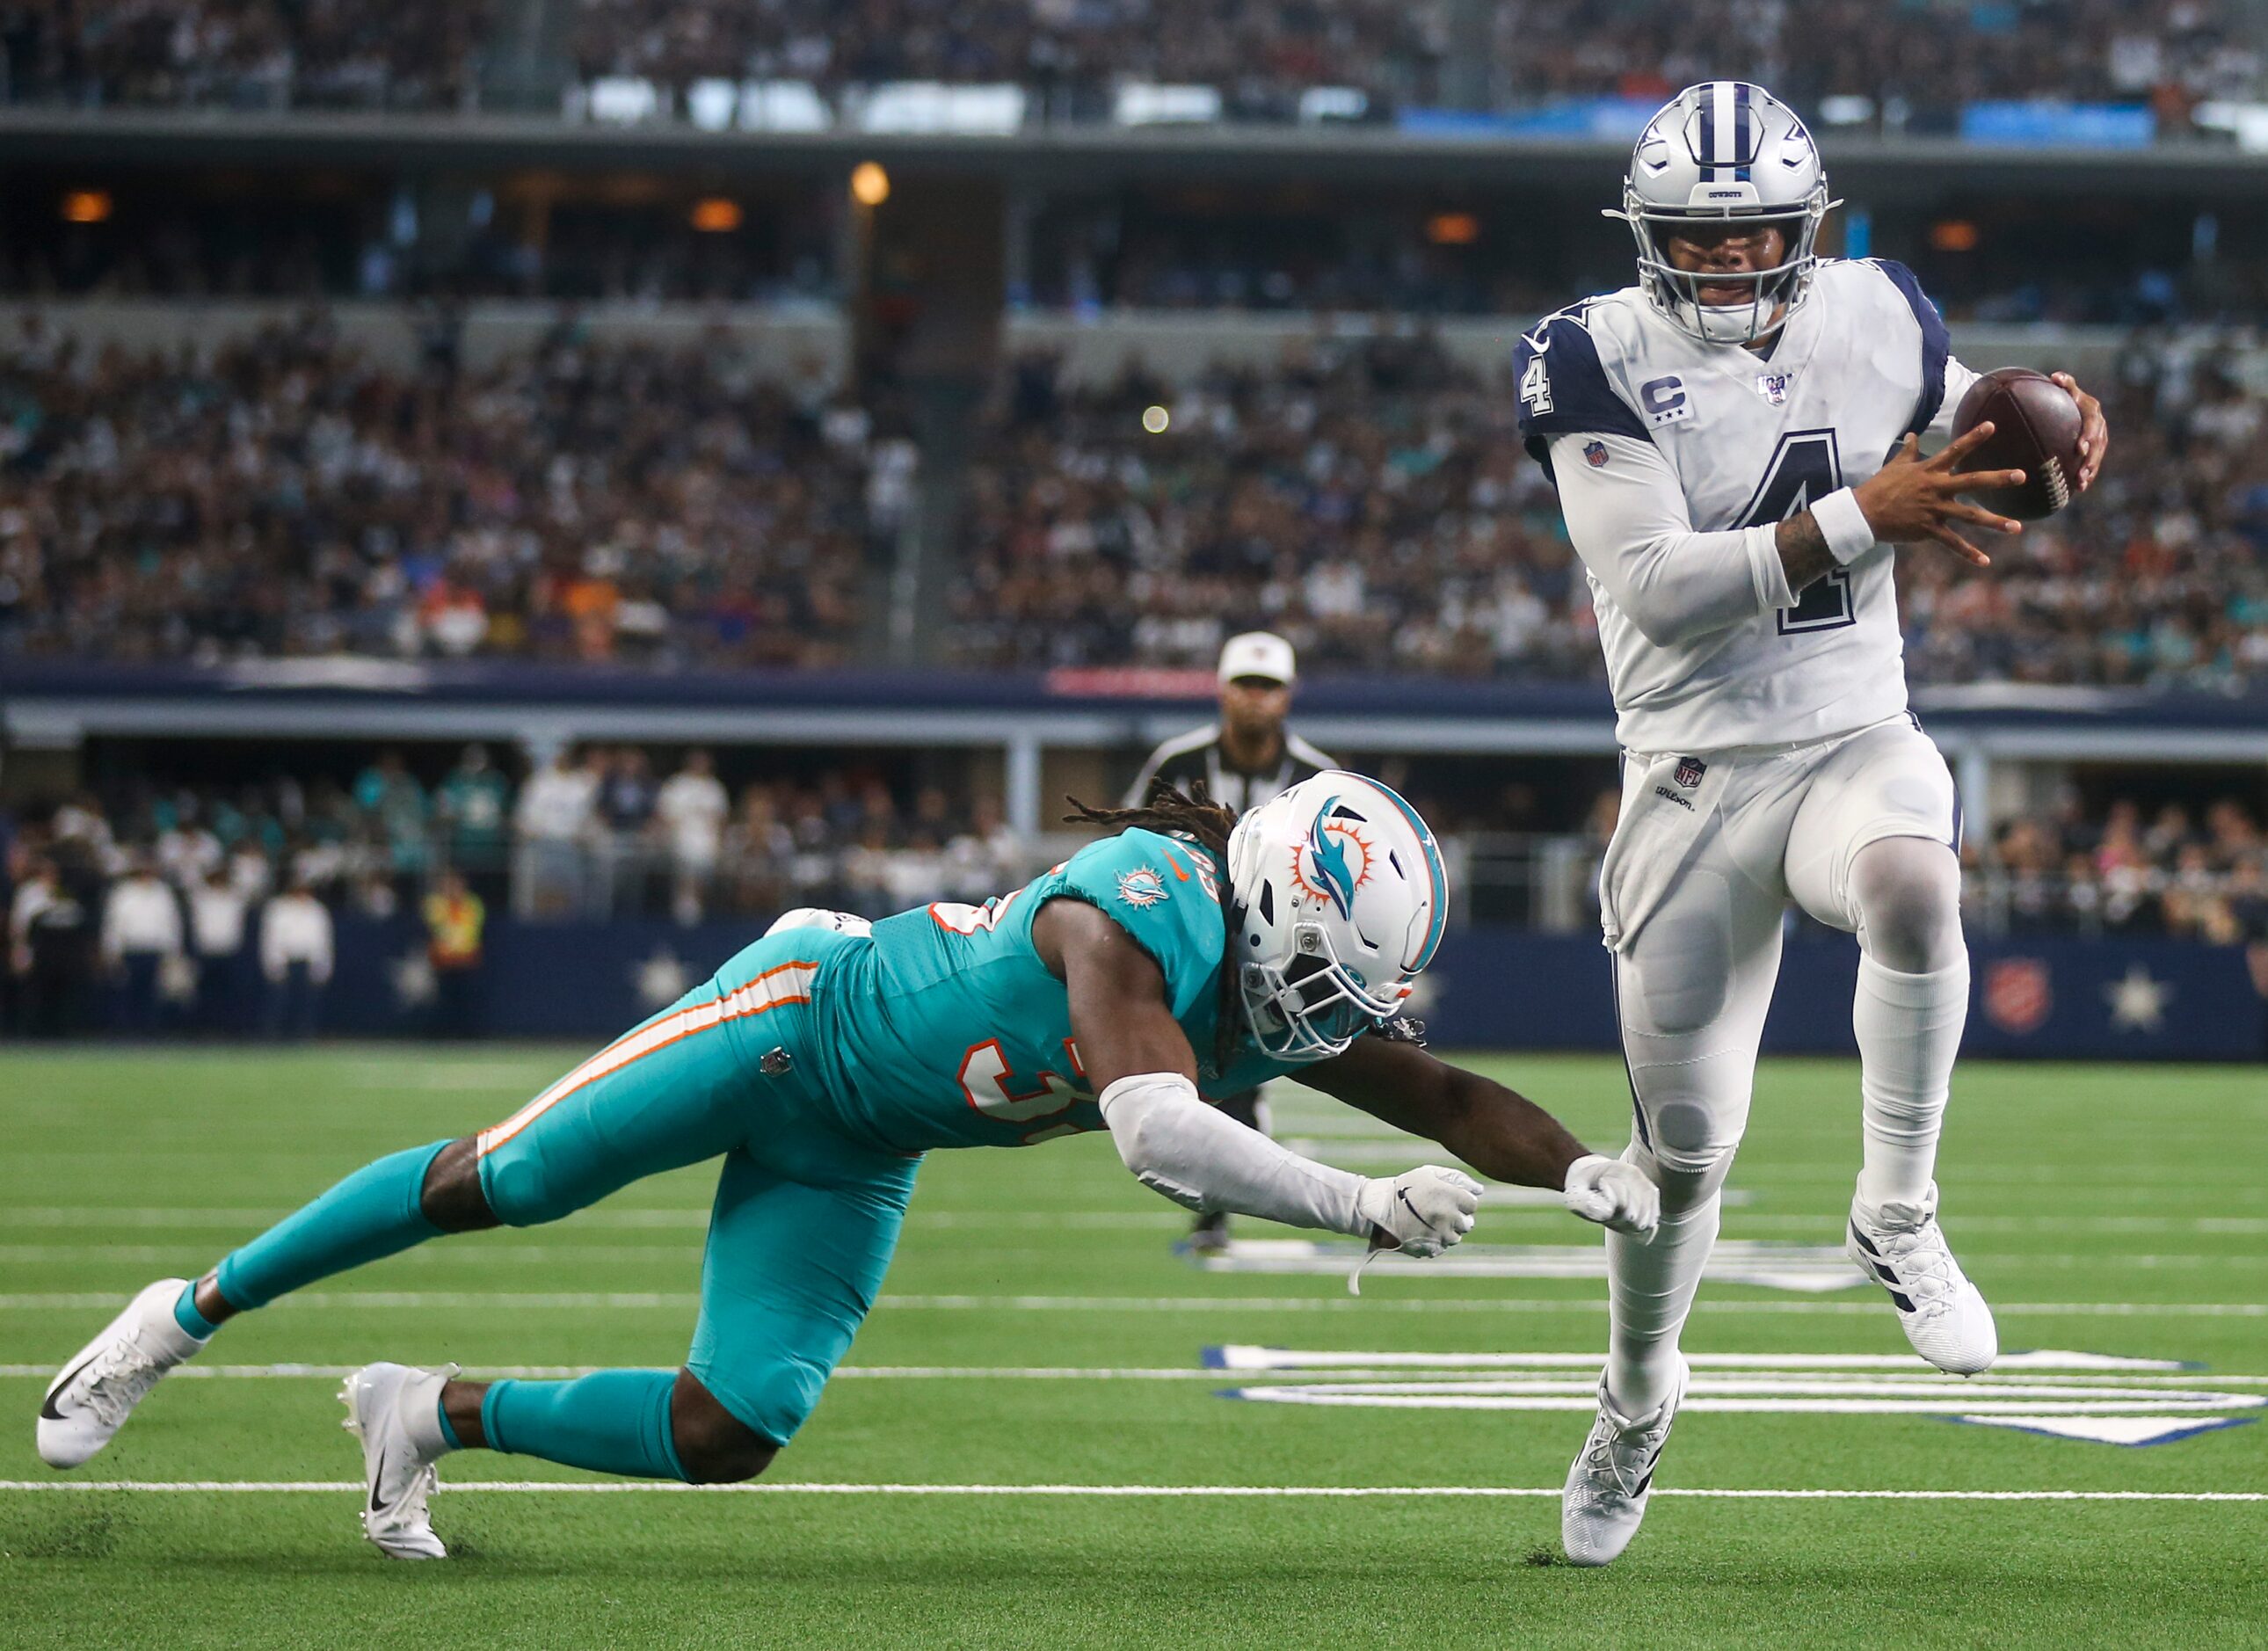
(1037, 1332)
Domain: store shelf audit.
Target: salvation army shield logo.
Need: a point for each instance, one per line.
(2018, 996)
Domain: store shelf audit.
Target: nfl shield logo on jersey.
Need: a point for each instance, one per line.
(1690, 771)
(1773, 387)
(1595, 454)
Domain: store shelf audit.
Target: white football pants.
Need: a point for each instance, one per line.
(1860, 831)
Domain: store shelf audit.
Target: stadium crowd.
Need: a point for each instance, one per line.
(282, 495)
(214, 898)
(2170, 870)
(1261, 56)
(1370, 500)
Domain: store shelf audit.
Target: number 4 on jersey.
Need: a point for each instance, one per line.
(1535, 387)
(1805, 466)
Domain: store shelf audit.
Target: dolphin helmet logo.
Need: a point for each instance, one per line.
(1338, 879)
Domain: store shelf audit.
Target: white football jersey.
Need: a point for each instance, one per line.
(1675, 459)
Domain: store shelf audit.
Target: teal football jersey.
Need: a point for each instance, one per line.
(947, 1030)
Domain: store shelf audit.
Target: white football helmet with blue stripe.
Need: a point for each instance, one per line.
(1726, 149)
(1340, 900)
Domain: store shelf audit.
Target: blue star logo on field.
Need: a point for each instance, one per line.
(660, 980)
(1142, 887)
(411, 976)
(1320, 869)
(2138, 1002)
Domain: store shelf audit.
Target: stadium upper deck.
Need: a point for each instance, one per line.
(1913, 64)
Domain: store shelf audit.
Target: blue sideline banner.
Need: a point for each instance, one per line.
(2053, 995)
(1490, 988)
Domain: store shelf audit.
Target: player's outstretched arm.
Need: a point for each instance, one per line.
(1135, 1052)
(1496, 1130)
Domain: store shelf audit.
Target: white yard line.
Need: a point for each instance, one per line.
(1537, 1261)
(1817, 1375)
(545, 1487)
(680, 1299)
(1546, 1206)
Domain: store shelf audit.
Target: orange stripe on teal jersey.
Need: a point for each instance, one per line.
(785, 983)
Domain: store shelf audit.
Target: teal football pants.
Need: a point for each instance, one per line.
(806, 1219)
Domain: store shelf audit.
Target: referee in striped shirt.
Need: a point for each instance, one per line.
(1242, 760)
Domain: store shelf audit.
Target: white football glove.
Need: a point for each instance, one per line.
(1421, 1214)
(1614, 1194)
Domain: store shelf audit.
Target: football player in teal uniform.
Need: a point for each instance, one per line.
(1189, 954)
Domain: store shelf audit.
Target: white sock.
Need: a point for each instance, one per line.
(1909, 1029)
(1651, 1288)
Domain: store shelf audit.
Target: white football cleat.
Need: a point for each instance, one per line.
(1612, 1479)
(396, 1412)
(1900, 1247)
(89, 1401)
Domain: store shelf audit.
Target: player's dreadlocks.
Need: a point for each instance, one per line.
(1195, 815)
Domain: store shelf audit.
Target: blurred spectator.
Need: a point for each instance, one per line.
(553, 820)
(141, 936)
(691, 809)
(296, 958)
(454, 922)
(217, 921)
(475, 802)
(625, 809)
(52, 930)
(391, 799)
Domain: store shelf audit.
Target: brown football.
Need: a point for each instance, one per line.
(2034, 430)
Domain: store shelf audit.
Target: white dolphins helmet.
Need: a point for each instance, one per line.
(1724, 150)
(1339, 898)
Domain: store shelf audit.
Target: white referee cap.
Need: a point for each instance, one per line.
(1258, 653)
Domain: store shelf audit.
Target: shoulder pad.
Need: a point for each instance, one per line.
(1936, 343)
(1563, 387)
(1163, 892)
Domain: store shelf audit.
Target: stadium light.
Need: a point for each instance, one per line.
(1452, 229)
(870, 185)
(87, 206)
(1155, 419)
(714, 215)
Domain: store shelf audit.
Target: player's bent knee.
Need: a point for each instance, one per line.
(1908, 891)
(451, 1195)
(713, 1446)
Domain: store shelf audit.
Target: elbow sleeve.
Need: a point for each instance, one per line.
(1176, 1145)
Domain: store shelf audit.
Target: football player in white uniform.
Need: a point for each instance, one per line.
(1735, 443)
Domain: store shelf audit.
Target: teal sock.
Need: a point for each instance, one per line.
(373, 1213)
(614, 1421)
(186, 1315)
(448, 1428)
